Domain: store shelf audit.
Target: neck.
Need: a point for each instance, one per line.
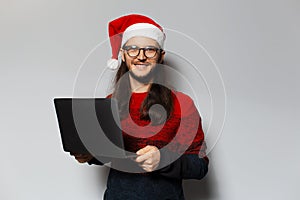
(137, 86)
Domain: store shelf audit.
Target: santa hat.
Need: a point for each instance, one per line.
(126, 27)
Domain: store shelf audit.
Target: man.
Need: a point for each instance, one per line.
(168, 139)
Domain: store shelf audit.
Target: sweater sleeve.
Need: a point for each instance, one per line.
(187, 166)
(191, 163)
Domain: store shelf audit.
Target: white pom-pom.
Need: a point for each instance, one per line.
(112, 64)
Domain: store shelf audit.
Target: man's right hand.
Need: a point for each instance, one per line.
(82, 158)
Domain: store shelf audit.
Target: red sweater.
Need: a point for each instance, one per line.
(182, 132)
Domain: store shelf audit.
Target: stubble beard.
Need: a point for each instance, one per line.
(146, 78)
(149, 77)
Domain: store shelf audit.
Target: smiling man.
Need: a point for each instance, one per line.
(140, 42)
(141, 54)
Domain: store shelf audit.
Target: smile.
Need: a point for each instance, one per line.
(141, 66)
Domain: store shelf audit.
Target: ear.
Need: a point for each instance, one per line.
(122, 54)
(162, 56)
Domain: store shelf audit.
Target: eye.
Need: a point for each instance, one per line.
(151, 49)
(132, 50)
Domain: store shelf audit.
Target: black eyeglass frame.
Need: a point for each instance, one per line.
(127, 48)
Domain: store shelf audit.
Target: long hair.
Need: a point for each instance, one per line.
(157, 94)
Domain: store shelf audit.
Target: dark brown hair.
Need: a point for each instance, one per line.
(158, 94)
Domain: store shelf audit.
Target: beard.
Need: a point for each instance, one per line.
(146, 78)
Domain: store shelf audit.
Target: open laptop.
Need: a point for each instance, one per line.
(91, 125)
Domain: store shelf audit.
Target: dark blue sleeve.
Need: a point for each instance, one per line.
(187, 166)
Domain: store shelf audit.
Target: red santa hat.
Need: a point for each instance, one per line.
(126, 27)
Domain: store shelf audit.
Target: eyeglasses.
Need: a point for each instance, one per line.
(134, 51)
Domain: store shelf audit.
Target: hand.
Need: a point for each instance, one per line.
(82, 158)
(148, 158)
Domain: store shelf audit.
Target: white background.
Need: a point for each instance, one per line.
(255, 44)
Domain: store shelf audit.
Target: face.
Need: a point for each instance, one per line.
(141, 66)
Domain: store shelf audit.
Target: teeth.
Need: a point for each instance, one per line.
(140, 65)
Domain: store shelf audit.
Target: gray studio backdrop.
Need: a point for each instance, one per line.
(254, 44)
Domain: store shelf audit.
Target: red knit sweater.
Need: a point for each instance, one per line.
(182, 132)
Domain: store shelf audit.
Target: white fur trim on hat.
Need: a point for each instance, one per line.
(113, 64)
(146, 30)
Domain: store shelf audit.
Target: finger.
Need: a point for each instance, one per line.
(82, 157)
(144, 166)
(77, 154)
(81, 160)
(147, 156)
(144, 150)
(142, 158)
(148, 161)
(148, 168)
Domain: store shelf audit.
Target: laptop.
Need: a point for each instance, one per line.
(91, 125)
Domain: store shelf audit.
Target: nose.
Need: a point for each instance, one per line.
(141, 55)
